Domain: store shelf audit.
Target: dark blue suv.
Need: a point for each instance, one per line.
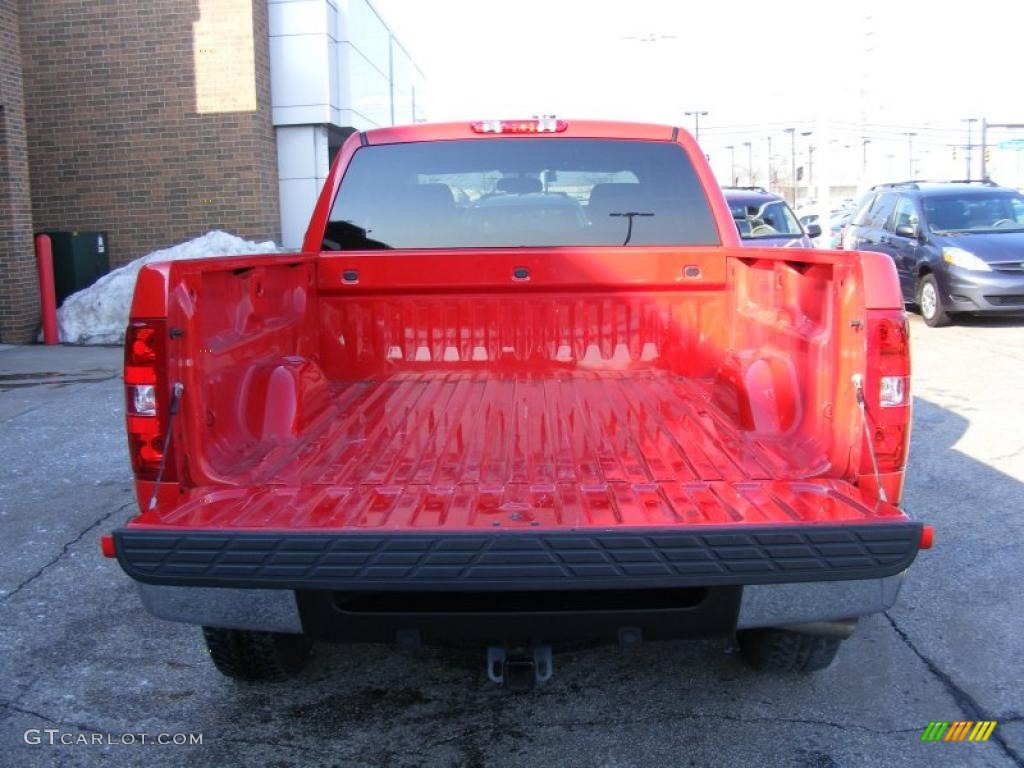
(957, 246)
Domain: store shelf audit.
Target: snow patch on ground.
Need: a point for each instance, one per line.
(99, 314)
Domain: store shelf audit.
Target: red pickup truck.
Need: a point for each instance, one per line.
(521, 388)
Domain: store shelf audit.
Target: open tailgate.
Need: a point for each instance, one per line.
(522, 536)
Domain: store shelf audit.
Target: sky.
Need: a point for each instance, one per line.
(874, 69)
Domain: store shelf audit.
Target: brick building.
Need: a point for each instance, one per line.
(18, 302)
(158, 120)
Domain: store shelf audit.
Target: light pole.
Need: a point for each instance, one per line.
(810, 160)
(970, 143)
(864, 141)
(984, 148)
(750, 163)
(771, 181)
(697, 115)
(985, 125)
(732, 165)
(910, 152)
(792, 158)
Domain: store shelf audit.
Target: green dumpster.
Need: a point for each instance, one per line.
(79, 260)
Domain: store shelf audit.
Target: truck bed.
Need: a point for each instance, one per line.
(576, 431)
(471, 450)
(479, 479)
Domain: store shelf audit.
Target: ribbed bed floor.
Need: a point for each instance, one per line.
(468, 450)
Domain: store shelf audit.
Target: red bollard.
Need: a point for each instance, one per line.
(47, 293)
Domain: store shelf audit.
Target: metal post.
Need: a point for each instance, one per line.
(732, 165)
(697, 115)
(792, 158)
(910, 153)
(750, 162)
(985, 125)
(824, 193)
(970, 143)
(984, 146)
(805, 134)
(864, 157)
(771, 179)
(47, 293)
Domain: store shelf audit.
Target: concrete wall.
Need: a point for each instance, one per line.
(335, 67)
(302, 164)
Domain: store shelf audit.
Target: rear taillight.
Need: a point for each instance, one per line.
(146, 397)
(887, 388)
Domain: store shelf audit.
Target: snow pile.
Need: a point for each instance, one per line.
(99, 314)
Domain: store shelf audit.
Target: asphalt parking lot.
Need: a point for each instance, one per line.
(78, 653)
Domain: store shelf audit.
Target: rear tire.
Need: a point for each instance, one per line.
(251, 656)
(929, 302)
(781, 650)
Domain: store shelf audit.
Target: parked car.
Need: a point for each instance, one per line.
(858, 215)
(836, 225)
(764, 219)
(957, 246)
(838, 219)
(559, 408)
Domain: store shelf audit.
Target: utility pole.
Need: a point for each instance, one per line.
(823, 194)
(771, 180)
(732, 166)
(985, 125)
(910, 152)
(984, 147)
(697, 115)
(864, 141)
(970, 143)
(750, 163)
(805, 134)
(810, 166)
(792, 160)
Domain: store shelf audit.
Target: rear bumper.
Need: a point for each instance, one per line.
(765, 605)
(598, 559)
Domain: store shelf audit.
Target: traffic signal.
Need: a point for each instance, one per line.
(988, 154)
(954, 152)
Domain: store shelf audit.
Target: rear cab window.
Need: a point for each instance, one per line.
(519, 192)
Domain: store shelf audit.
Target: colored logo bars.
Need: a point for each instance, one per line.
(960, 730)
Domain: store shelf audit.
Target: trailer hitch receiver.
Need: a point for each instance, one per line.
(519, 669)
